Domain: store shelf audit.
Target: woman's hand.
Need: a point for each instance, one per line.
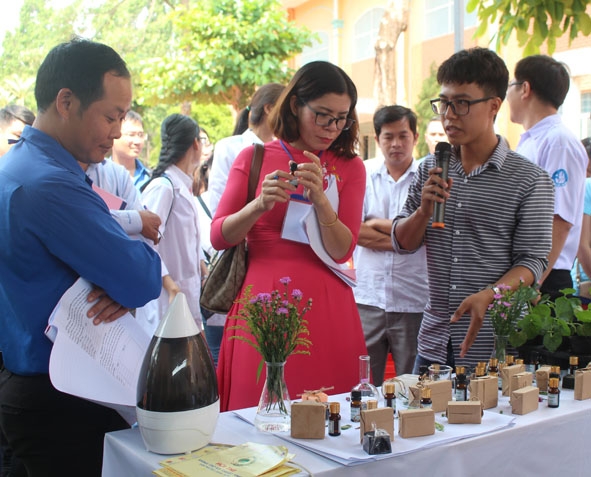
(274, 189)
(309, 174)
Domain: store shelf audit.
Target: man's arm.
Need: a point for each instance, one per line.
(410, 231)
(375, 234)
(560, 230)
(477, 304)
(584, 253)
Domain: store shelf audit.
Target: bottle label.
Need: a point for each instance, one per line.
(355, 414)
(426, 405)
(333, 427)
(460, 394)
(553, 400)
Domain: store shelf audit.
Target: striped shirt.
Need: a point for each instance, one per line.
(497, 217)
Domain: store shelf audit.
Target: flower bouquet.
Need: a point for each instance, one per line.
(274, 325)
(506, 309)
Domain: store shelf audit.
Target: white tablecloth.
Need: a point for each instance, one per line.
(547, 442)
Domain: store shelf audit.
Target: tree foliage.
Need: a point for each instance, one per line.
(429, 90)
(221, 50)
(535, 22)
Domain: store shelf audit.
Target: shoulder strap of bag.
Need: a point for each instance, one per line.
(255, 170)
(204, 206)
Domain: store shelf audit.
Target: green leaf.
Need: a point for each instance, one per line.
(552, 341)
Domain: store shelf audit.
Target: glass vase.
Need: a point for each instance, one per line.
(500, 347)
(274, 410)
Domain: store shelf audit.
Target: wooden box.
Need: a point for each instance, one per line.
(525, 400)
(383, 418)
(506, 373)
(542, 376)
(307, 420)
(486, 390)
(520, 380)
(441, 392)
(582, 384)
(416, 422)
(464, 412)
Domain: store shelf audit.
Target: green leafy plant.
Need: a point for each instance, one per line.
(553, 320)
(275, 326)
(508, 307)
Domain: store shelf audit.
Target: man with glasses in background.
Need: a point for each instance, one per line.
(498, 214)
(13, 119)
(534, 96)
(127, 149)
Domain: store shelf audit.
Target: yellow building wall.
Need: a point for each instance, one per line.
(417, 53)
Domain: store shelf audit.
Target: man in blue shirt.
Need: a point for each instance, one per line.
(54, 228)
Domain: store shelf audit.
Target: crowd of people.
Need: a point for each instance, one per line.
(422, 292)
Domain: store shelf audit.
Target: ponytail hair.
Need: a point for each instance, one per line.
(178, 132)
(255, 112)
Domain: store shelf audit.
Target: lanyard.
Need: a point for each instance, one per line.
(289, 153)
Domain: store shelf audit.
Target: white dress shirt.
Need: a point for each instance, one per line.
(179, 246)
(224, 154)
(387, 280)
(553, 147)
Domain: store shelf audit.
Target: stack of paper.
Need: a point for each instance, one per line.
(246, 460)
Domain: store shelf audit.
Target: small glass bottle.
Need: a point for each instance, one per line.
(493, 367)
(480, 371)
(461, 392)
(500, 375)
(426, 398)
(389, 395)
(368, 390)
(334, 421)
(372, 404)
(568, 382)
(553, 393)
(519, 361)
(356, 406)
(509, 360)
(555, 373)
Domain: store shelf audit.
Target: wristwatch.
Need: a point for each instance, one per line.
(496, 290)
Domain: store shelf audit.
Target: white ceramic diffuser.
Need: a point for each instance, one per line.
(178, 402)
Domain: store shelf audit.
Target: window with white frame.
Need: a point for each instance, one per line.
(318, 51)
(439, 18)
(365, 34)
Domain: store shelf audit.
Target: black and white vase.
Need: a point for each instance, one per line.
(178, 402)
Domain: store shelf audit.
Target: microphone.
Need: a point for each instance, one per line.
(442, 155)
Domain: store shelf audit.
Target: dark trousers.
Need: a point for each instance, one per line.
(556, 281)
(52, 433)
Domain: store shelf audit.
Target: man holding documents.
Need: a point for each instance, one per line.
(54, 229)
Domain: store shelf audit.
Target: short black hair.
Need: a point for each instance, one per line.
(16, 111)
(392, 114)
(476, 65)
(79, 65)
(548, 78)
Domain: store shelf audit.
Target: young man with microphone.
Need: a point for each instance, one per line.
(494, 223)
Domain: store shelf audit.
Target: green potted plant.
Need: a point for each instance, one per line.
(554, 321)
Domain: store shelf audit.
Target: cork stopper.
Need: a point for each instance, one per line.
(372, 404)
(493, 362)
(509, 360)
(335, 407)
(519, 361)
(555, 369)
(388, 388)
(460, 370)
(573, 360)
(426, 393)
(480, 371)
(553, 382)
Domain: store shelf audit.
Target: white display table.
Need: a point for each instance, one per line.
(545, 442)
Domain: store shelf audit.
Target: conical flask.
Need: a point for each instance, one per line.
(178, 402)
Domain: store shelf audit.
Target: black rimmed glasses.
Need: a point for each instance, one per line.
(325, 120)
(460, 107)
(516, 83)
